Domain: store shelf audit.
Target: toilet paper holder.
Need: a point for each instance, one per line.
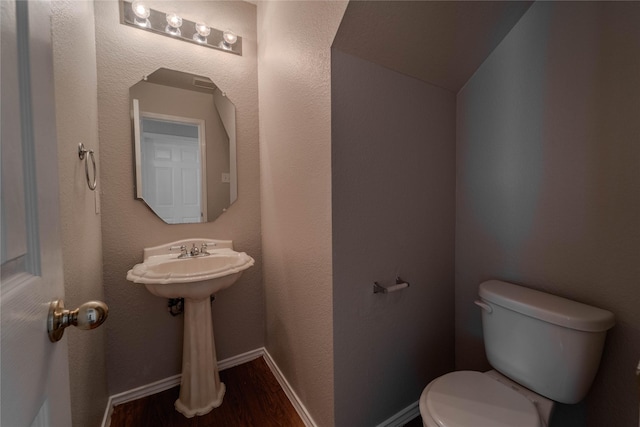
(400, 284)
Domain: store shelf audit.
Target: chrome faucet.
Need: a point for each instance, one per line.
(193, 252)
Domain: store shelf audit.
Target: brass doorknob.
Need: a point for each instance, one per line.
(89, 315)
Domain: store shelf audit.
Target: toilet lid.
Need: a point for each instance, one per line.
(469, 398)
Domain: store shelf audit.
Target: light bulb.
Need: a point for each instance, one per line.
(228, 40)
(229, 37)
(174, 23)
(203, 29)
(142, 12)
(202, 32)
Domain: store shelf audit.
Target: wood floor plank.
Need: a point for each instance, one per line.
(253, 398)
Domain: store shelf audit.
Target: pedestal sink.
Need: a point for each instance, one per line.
(200, 268)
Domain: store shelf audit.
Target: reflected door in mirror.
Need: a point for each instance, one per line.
(172, 155)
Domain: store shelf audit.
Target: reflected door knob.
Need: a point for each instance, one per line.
(89, 315)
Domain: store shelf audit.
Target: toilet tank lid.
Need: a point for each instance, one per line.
(547, 307)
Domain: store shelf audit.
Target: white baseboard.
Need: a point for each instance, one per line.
(241, 358)
(401, 418)
(293, 397)
(167, 383)
(138, 393)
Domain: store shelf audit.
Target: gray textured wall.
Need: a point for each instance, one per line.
(548, 178)
(393, 204)
(144, 343)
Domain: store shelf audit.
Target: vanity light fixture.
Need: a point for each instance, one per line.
(202, 32)
(138, 15)
(142, 13)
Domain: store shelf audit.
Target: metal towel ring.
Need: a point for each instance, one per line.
(81, 153)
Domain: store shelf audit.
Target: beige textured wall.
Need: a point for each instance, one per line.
(77, 121)
(547, 184)
(144, 342)
(295, 154)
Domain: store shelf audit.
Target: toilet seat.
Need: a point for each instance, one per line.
(470, 398)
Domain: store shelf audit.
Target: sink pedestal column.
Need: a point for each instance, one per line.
(200, 388)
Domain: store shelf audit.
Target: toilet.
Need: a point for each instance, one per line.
(543, 348)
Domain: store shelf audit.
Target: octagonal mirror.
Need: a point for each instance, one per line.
(184, 137)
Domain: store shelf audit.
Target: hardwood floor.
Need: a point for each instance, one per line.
(253, 398)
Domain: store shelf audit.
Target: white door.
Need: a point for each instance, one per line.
(35, 376)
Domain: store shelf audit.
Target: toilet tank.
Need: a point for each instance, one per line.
(549, 344)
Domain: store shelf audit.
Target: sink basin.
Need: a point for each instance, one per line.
(198, 277)
(166, 275)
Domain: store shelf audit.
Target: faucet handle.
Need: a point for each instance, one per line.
(204, 246)
(182, 248)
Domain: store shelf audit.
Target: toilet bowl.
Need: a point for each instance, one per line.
(482, 399)
(546, 348)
